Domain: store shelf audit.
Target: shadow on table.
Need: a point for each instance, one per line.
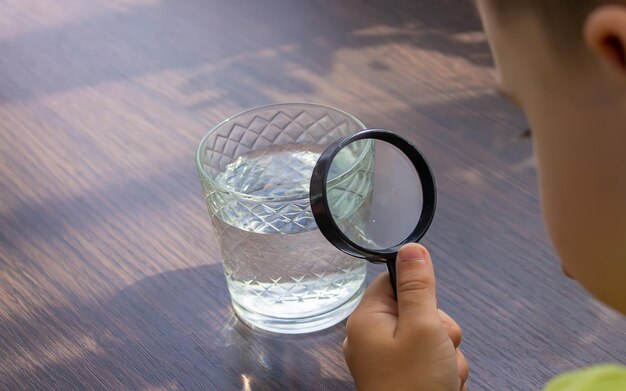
(172, 330)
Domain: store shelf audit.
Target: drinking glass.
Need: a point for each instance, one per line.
(255, 168)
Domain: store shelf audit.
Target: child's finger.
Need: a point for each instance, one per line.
(379, 289)
(417, 302)
(377, 312)
(378, 298)
(463, 366)
(453, 328)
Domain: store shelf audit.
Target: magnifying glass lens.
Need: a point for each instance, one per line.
(374, 194)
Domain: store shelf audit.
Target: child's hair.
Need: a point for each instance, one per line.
(562, 19)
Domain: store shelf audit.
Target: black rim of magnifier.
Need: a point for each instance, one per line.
(321, 210)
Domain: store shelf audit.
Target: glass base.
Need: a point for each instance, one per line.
(299, 325)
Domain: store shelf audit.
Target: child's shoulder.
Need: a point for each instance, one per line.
(609, 377)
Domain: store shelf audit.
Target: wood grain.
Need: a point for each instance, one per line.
(109, 275)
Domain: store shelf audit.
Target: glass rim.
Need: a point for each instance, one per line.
(205, 177)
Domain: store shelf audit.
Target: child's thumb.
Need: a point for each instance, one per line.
(417, 301)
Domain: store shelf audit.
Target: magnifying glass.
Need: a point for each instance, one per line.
(371, 193)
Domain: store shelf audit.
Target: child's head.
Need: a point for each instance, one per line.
(564, 63)
(560, 38)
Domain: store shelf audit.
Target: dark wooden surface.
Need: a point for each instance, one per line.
(109, 276)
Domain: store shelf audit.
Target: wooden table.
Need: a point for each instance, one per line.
(109, 276)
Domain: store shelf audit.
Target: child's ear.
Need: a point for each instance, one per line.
(605, 35)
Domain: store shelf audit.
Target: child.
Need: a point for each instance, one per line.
(564, 63)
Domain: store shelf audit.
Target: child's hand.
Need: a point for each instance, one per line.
(408, 344)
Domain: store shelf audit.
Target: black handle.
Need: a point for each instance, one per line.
(391, 266)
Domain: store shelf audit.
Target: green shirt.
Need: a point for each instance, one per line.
(598, 378)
